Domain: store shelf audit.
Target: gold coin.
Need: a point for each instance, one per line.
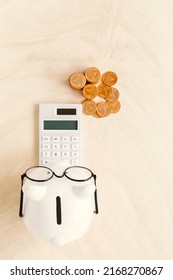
(103, 109)
(115, 106)
(116, 92)
(92, 75)
(112, 95)
(77, 80)
(89, 91)
(103, 90)
(109, 78)
(89, 107)
(96, 115)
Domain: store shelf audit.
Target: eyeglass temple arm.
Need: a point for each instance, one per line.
(95, 196)
(21, 197)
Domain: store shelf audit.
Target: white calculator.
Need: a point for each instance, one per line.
(59, 133)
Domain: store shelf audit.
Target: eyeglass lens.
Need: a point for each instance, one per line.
(78, 173)
(39, 173)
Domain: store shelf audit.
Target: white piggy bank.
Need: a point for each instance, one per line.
(60, 209)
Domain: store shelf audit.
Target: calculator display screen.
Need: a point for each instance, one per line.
(66, 111)
(60, 125)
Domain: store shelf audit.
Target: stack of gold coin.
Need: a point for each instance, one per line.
(92, 75)
(109, 78)
(89, 91)
(103, 90)
(112, 95)
(103, 109)
(87, 82)
(89, 107)
(77, 80)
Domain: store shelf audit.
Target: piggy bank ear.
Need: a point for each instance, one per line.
(83, 191)
(34, 192)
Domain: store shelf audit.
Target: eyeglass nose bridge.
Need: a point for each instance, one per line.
(58, 176)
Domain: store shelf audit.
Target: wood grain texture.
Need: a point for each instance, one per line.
(41, 44)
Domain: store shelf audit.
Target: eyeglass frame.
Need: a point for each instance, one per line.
(24, 175)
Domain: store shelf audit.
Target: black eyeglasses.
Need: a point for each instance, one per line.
(73, 173)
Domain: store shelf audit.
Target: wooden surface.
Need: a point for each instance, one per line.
(41, 44)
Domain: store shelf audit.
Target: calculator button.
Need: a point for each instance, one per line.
(75, 161)
(65, 138)
(55, 146)
(65, 154)
(46, 138)
(46, 146)
(46, 154)
(55, 138)
(75, 146)
(75, 154)
(65, 146)
(75, 138)
(55, 154)
(44, 161)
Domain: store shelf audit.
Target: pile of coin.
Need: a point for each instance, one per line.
(87, 83)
